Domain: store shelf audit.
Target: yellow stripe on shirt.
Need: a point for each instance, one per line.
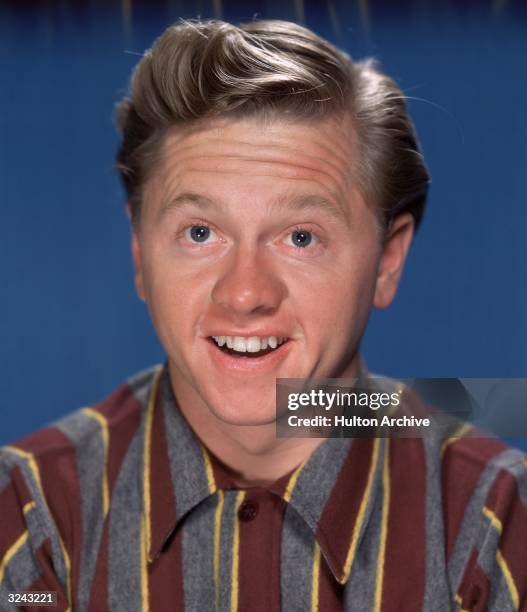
(11, 552)
(236, 553)
(211, 482)
(33, 467)
(459, 602)
(495, 521)
(103, 424)
(292, 481)
(508, 579)
(384, 527)
(217, 542)
(147, 458)
(144, 569)
(498, 525)
(315, 580)
(146, 538)
(362, 512)
(459, 433)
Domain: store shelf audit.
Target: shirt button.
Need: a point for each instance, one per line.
(248, 511)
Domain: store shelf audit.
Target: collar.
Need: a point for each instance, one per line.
(333, 490)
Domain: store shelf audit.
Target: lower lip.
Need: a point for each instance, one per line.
(249, 364)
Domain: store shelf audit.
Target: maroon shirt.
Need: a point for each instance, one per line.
(119, 507)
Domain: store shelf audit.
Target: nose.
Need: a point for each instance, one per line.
(248, 285)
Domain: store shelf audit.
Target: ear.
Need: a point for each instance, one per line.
(136, 257)
(391, 264)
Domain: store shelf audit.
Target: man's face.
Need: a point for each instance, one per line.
(255, 235)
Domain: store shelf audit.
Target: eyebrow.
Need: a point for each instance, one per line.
(296, 203)
(188, 197)
(314, 202)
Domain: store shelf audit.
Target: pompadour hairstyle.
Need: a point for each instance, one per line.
(202, 70)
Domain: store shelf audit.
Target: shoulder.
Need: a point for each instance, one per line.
(479, 485)
(471, 467)
(55, 460)
(483, 492)
(485, 508)
(47, 476)
(47, 470)
(65, 440)
(479, 475)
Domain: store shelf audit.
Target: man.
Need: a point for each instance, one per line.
(274, 188)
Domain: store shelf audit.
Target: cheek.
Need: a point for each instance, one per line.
(338, 292)
(336, 303)
(173, 297)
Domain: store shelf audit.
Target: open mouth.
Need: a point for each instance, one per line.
(251, 347)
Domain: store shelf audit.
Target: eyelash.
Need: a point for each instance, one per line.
(197, 223)
(302, 229)
(302, 251)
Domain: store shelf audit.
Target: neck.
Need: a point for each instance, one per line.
(252, 452)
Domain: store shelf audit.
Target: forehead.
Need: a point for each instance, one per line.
(287, 151)
(257, 131)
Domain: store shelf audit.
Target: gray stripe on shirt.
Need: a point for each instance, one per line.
(437, 593)
(473, 517)
(20, 573)
(85, 434)
(45, 527)
(187, 466)
(359, 592)
(317, 479)
(197, 551)
(124, 542)
(296, 562)
(226, 550)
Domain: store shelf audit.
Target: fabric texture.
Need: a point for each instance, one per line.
(119, 507)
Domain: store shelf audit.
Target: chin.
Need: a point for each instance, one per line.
(244, 410)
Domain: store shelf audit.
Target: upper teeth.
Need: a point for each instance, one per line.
(249, 345)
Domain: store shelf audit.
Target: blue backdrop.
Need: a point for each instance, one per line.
(72, 328)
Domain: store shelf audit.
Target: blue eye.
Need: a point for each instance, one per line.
(199, 233)
(301, 238)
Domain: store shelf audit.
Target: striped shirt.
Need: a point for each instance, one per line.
(119, 507)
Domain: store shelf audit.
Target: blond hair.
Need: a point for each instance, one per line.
(199, 70)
